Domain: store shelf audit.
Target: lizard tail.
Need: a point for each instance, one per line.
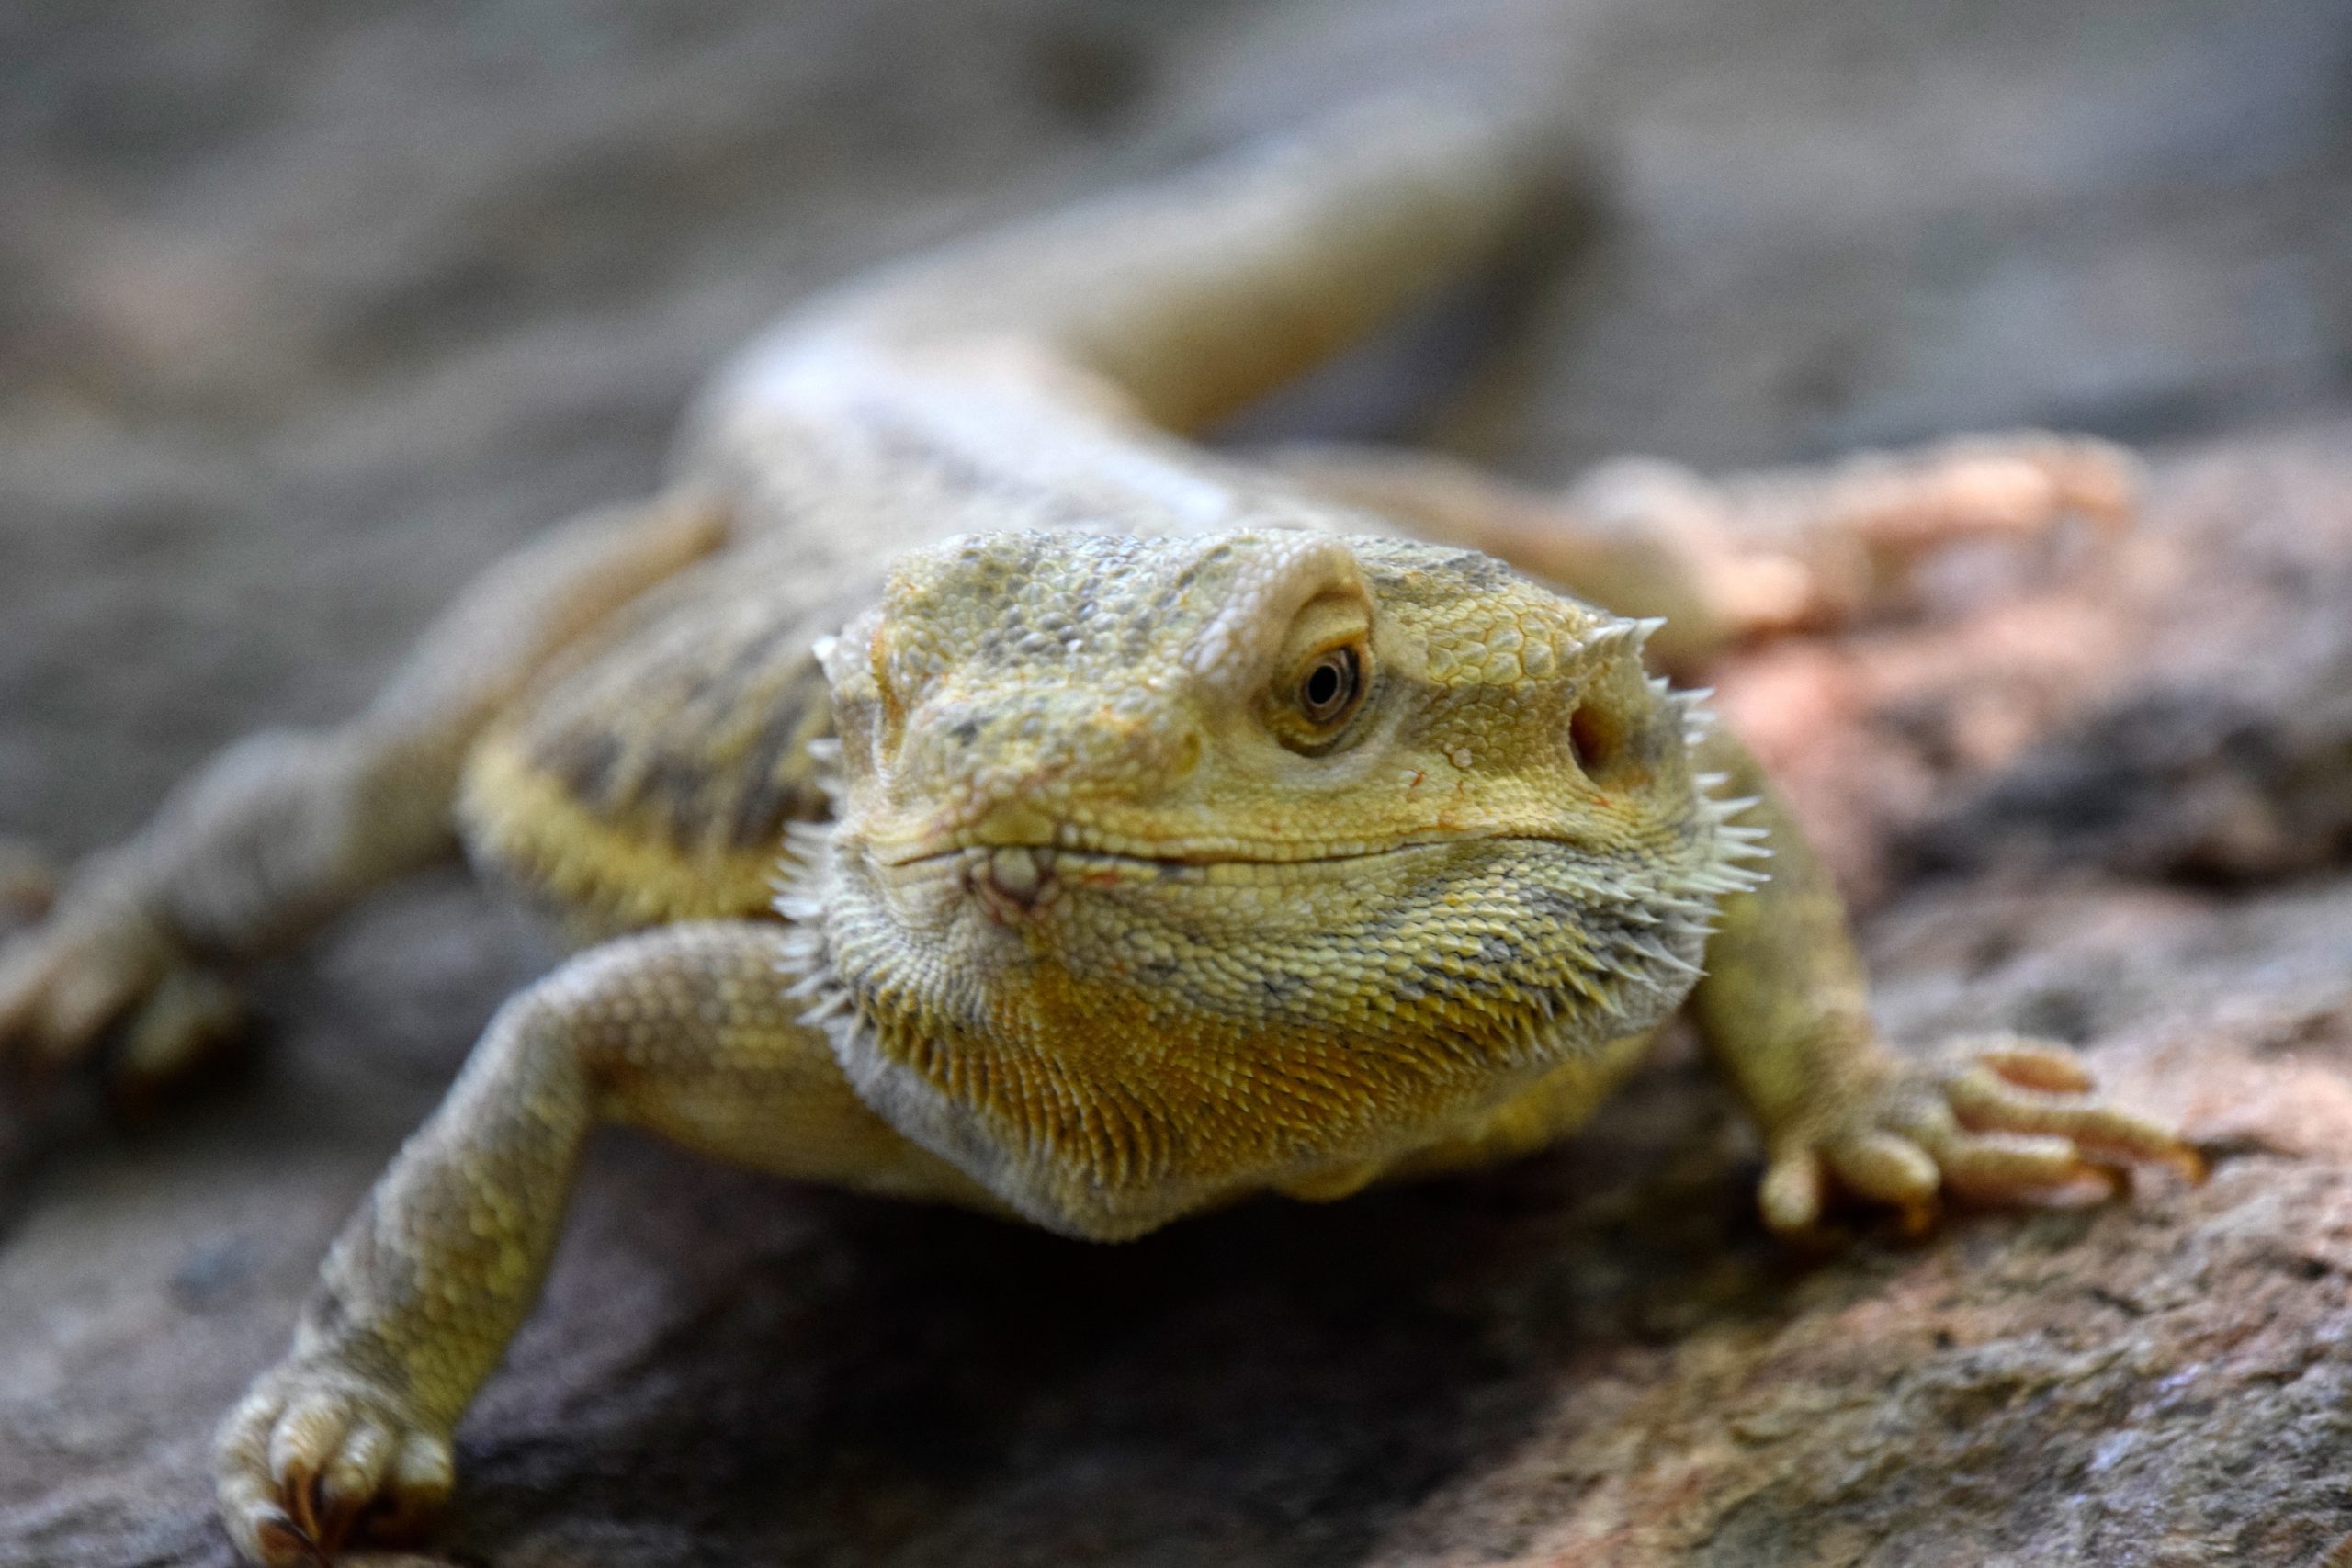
(1196, 295)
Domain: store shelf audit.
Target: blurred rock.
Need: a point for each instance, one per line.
(2230, 756)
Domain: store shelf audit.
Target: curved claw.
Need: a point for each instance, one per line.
(312, 1459)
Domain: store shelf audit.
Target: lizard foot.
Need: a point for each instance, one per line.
(1765, 552)
(1997, 1119)
(100, 969)
(315, 1456)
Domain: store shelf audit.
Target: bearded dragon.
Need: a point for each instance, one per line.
(964, 789)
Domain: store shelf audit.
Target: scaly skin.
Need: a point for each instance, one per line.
(1153, 828)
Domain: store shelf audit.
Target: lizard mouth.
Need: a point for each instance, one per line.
(1071, 846)
(1020, 882)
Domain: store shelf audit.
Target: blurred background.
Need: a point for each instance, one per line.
(308, 313)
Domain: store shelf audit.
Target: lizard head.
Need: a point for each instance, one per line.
(1166, 867)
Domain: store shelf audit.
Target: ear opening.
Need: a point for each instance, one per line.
(1596, 742)
(1617, 733)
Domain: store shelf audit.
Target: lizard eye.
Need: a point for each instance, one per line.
(1330, 685)
(1323, 677)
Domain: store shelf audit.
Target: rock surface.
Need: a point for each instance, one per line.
(308, 315)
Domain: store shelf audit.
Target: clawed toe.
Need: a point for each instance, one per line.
(92, 977)
(2004, 1120)
(192, 1014)
(1994, 1167)
(2032, 1065)
(2016, 486)
(309, 1462)
(1861, 529)
(2013, 1086)
(63, 984)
